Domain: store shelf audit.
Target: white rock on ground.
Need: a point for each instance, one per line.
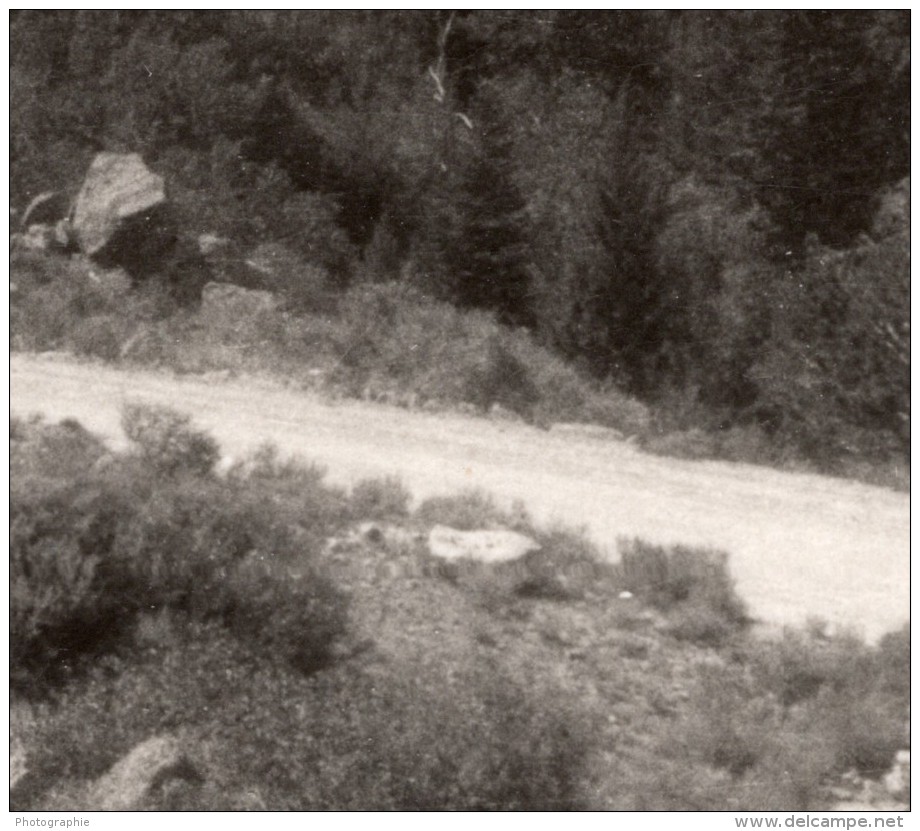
(897, 780)
(485, 546)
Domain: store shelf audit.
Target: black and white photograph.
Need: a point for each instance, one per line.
(446, 411)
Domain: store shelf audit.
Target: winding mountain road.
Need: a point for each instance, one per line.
(801, 546)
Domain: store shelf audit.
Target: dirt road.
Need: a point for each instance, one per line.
(801, 546)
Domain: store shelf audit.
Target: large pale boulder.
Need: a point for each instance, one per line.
(485, 546)
(119, 190)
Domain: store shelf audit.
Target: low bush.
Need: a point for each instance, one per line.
(799, 665)
(466, 511)
(892, 663)
(783, 719)
(53, 585)
(397, 343)
(293, 492)
(746, 750)
(50, 451)
(61, 303)
(381, 498)
(692, 585)
(867, 730)
(350, 738)
(857, 696)
(166, 442)
(90, 554)
(567, 566)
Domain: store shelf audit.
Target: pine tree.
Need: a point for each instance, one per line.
(486, 253)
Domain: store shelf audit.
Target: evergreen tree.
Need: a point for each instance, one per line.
(486, 251)
(840, 128)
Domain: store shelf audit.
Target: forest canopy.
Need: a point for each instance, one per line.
(707, 209)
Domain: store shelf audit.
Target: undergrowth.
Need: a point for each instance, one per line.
(151, 595)
(692, 585)
(92, 550)
(386, 342)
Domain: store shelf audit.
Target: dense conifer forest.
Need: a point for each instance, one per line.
(708, 210)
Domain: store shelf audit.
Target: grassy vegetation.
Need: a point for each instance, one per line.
(692, 584)
(306, 665)
(385, 342)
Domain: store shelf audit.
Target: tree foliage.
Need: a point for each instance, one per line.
(682, 202)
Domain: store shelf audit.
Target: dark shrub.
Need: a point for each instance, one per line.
(167, 442)
(692, 585)
(89, 556)
(567, 566)
(382, 498)
(467, 511)
(893, 663)
(349, 738)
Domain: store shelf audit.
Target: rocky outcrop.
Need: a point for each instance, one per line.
(483, 546)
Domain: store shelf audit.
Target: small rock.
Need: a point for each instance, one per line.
(897, 780)
(34, 238)
(209, 244)
(62, 234)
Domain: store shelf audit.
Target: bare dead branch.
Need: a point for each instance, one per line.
(437, 71)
